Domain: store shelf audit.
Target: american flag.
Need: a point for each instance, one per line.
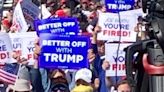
(8, 74)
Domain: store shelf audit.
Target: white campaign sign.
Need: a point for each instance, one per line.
(5, 48)
(111, 56)
(23, 43)
(19, 24)
(110, 25)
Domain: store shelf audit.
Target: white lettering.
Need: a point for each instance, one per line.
(48, 26)
(64, 50)
(63, 58)
(78, 44)
(68, 24)
(54, 57)
(55, 43)
(79, 58)
(47, 55)
(119, 6)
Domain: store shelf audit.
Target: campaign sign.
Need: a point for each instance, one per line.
(23, 45)
(5, 48)
(115, 69)
(18, 23)
(30, 11)
(119, 5)
(113, 27)
(63, 51)
(57, 26)
(16, 44)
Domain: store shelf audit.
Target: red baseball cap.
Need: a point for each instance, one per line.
(60, 13)
(6, 23)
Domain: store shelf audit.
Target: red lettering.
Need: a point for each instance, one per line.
(30, 56)
(116, 33)
(123, 67)
(105, 32)
(113, 33)
(125, 33)
(114, 67)
(129, 34)
(3, 56)
(118, 67)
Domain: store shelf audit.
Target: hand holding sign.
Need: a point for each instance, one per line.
(37, 52)
(105, 65)
(91, 55)
(37, 49)
(19, 58)
(97, 29)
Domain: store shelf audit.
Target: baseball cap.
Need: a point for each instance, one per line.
(84, 74)
(60, 13)
(59, 83)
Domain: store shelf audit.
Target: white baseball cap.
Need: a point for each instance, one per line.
(21, 85)
(84, 74)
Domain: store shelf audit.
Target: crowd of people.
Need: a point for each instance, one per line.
(92, 79)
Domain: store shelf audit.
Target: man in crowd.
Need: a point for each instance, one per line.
(123, 86)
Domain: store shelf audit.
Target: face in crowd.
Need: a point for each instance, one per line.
(84, 4)
(59, 81)
(124, 86)
(101, 48)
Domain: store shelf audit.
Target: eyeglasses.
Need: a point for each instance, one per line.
(59, 89)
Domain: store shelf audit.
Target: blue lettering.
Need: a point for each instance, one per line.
(30, 49)
(3, 48)
(116, 26)
(119, 59)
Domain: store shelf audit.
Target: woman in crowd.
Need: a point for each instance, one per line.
(83, 81)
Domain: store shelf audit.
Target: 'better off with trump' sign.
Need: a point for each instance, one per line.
(63, 52)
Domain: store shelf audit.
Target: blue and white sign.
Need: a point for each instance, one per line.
(63, 51)
(58, 26)
(119, 5)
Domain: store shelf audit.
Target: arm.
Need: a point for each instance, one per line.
(35, 73)
(94, 39)
(36, 80)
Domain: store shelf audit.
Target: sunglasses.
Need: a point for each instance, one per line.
(61, 89)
